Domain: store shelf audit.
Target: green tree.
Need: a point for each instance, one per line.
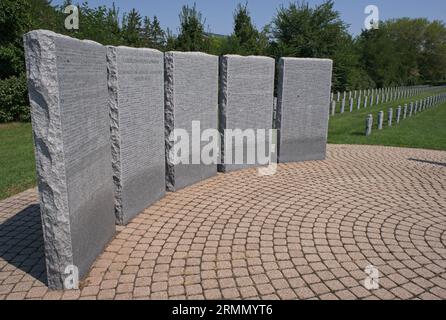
(244, 30)
(401, 52)
(246, 39)
(15, 20)
(153, 35)
(404, 51)
(46, 16)
(378, 54)
(132, 28)
(158, 34)
(112, 27)
(303, 31)
(348, 72)
(14, 104)
(219, 45)
(99, 24)
(191, 33)
(171, 40)
(432, 59)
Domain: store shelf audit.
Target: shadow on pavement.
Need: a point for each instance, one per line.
(429, 162)
(21, 242)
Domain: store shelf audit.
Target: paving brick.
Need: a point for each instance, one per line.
(213, 294)
(107, 294)
(305, 240)
(230, 293)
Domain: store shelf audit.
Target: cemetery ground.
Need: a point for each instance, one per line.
(308, 232)
(426, 130)
(17, 165)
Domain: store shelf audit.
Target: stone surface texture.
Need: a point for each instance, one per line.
(246, 102)
(191, 94)
(303, 100)
(67, 82)
(136, 100)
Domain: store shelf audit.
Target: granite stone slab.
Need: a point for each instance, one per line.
(304, 97)
(191, 94)
(246, 102)
(136, 100)
(67, 81)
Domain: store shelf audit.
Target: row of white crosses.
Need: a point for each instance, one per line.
(402, 113)
(371, 97)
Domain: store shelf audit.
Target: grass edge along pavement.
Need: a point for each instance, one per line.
(17, 165)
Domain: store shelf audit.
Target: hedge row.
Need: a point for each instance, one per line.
(14, 105)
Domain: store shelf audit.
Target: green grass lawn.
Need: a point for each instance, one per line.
(17, 167)
(426, 130)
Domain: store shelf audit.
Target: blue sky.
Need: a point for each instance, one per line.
(218, 13)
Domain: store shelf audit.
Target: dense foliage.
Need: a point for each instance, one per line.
(401, 52)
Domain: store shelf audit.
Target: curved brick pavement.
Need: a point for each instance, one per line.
(307, 232)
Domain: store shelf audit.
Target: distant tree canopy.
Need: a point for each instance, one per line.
(401, 52)
(404, 51)
(246, 39)
(153, 35)
(14, 22)
(191, 35)
(302, 31)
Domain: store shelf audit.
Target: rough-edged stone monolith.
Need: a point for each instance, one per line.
(304, 96)
(136, 99)
(191, 95)
(246, 95)
(67, 81)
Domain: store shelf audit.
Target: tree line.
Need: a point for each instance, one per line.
(401, 52)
